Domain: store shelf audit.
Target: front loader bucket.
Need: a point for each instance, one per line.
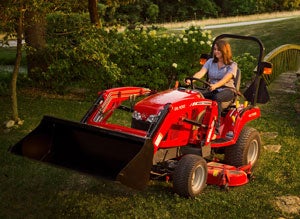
(93, 150)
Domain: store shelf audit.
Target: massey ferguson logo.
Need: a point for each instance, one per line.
(201, 103)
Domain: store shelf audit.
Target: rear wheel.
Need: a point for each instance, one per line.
(246, 149)
(190, 176)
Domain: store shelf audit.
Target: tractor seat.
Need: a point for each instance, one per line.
(237, 84)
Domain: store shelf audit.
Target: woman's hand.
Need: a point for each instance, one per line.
(213, 87)
(188, 82)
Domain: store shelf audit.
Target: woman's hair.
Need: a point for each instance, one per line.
(225, 49)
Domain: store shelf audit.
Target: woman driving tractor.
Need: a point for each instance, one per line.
(221, 73)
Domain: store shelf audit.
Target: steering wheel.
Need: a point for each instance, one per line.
(196, 79)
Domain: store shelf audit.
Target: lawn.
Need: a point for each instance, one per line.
(29, 189)
(272, 34)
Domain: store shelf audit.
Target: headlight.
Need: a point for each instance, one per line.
(151, 118)
(136, 115)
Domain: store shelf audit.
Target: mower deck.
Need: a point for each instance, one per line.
(225, 175)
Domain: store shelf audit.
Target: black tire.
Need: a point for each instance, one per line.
(190, 176)
(247, 148)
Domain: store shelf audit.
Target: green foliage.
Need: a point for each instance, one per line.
(78, 54)
(239, 7)
(246, 63)
(98, 59)
(152, 12)
(63, 25)
(156, 60)
(275, 5)
(173, 11)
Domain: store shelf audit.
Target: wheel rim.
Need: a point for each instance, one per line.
(252, 152)
(198, 178)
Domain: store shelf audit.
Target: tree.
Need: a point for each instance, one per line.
(12, 23)
(15, 114)
(35, 38)
(152, 12)
(94, 15)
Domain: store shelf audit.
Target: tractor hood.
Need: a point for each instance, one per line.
(156, 102)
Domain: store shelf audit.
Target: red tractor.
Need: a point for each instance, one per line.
(169, 136)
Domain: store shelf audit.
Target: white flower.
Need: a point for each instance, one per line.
(174, 65)
(152, 33)
(202, 42)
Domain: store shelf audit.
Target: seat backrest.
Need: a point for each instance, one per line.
(237, 84)
(238, 79)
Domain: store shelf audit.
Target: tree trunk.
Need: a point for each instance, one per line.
(35, 37)
(15, 114)
(94, 16)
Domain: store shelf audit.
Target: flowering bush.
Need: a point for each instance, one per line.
(99, 59)
(246, 63)
(153, 59)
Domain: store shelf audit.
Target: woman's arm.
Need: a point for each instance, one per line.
(226, 78)
(198, 75)
(223, 81)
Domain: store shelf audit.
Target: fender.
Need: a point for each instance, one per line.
(244, 117)
(239, 119)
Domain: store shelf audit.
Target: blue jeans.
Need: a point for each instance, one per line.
(224, 95)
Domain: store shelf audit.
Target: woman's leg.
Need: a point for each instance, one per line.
(222, 96)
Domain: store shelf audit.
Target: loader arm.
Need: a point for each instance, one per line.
(109, 100)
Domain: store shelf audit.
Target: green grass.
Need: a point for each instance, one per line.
(272, 34)
(32, 189)
(29, 189)
(8, 55)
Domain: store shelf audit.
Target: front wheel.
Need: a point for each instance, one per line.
(246, 149)
(190, 176)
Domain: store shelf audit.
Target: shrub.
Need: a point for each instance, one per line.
(246, 63)
(98, 59)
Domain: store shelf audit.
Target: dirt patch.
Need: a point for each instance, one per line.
(269, 135)
(288, 204)
(273, 148)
